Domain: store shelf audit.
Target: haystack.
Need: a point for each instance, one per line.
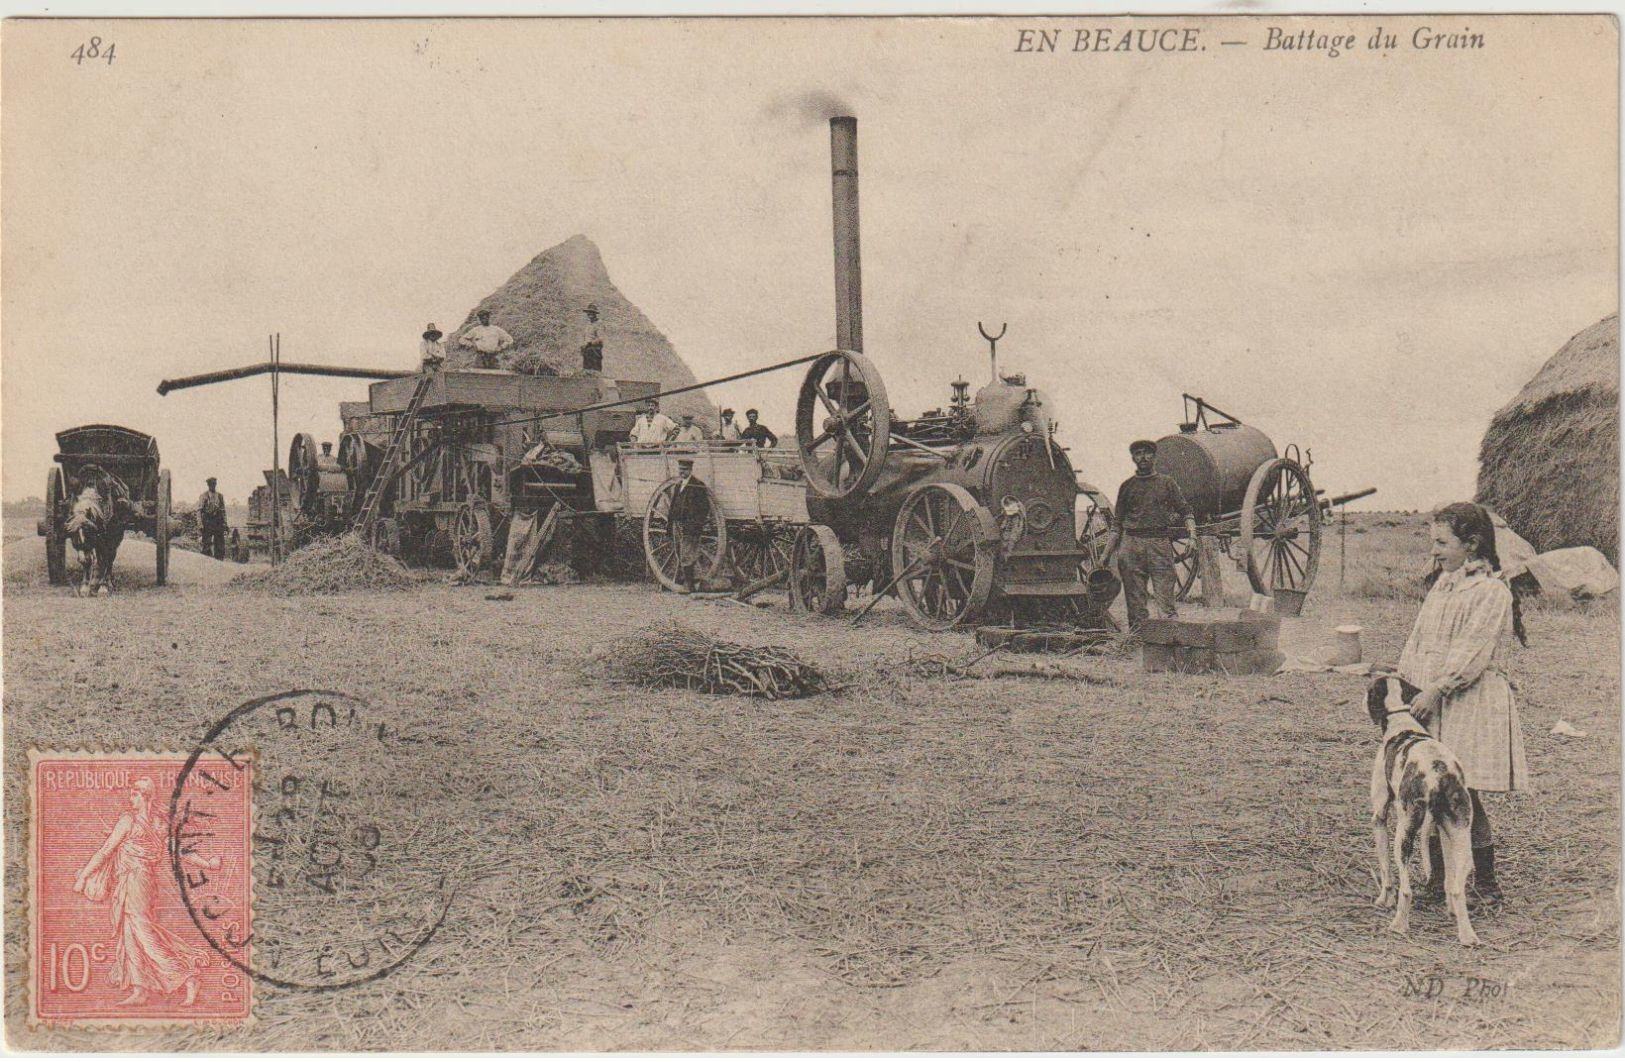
(1550, 462)
(543, 306)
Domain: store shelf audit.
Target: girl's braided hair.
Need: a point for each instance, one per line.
(1471, 524)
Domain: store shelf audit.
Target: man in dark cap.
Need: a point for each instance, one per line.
(757, 433)
(1150, 508)
(690, 510)
(211, 512)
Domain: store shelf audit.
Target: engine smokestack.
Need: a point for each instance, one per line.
(843, 158)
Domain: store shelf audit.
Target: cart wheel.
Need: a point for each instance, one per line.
(817, 571)
(56, 535)
(943, 547)
(1280, 528)
(755, 552)
(160, 526)
(472, 544)
(660, 537)
(843, 424)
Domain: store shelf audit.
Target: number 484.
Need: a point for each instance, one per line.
(92, 50)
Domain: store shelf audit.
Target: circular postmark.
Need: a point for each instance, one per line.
(349, 874)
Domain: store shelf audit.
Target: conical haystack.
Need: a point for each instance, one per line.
(1550, 462)
(543, 306)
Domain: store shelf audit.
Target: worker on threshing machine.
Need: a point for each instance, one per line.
(728, 431)
(486, 340)
(652, 427)
(758, 433)
(1150, 506)
(211, 512)
(592, 351)
(432, 350)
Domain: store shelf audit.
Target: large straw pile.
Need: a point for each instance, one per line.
(543, 307)
(339, 565)
(678, 657)
(1550, 462)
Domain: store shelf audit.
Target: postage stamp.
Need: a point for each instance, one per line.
(113, 941)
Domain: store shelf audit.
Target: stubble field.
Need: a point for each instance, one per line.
(1111, 860)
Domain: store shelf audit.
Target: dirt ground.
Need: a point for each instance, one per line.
(1111, 861)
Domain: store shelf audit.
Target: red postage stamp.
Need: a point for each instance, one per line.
(115, 941)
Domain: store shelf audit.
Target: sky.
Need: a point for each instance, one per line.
(1364, 255)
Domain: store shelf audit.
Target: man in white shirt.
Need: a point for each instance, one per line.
(486, 340)
(730, 430)
(652, 427)
(690, 432)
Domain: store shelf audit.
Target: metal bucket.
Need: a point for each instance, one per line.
(1104, 586)
(1290, 602)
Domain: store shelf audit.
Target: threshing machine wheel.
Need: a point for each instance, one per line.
(1280, 528)
(386, 535)
(160, 525)
(757, 551)
(353, 459)
(56, 535)
(943, 551)
(843, 424)
(817, 571)
(472, 543)
(661, 545)
(302, 472)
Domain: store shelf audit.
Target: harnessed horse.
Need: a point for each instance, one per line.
(95, 527)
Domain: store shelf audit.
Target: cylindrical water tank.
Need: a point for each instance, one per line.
(1214, 465)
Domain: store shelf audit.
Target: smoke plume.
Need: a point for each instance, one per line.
(814, 108)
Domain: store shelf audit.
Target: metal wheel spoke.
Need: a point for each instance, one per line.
(829, 403)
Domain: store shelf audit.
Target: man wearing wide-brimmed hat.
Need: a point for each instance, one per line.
(432, 349)
(730, 430)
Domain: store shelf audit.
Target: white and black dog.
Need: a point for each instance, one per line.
(1417, 787)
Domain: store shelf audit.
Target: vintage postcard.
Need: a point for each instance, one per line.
(868, 534)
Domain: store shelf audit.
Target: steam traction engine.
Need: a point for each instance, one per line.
(967, 514)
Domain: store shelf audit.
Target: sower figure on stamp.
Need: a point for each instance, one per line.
(1150, 508)
(129, 870)
(211, 511)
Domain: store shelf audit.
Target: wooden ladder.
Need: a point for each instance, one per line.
(392, 453)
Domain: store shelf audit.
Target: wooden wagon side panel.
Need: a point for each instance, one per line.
(641, 473)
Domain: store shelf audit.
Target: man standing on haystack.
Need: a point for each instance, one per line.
(1150, 506)
(486, 340)
(211, 512)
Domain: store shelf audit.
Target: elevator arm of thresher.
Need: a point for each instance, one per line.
(295, 368)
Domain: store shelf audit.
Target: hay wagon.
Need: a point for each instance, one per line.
(756, 501)
(130, 456)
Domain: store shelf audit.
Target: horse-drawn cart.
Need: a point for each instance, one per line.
(755, 500)
(121, 463)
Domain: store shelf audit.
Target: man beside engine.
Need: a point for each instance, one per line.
(1150, 509)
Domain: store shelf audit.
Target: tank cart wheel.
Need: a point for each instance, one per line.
(943, 548)
(472, 544)
(843, 424)
(817, 571)
(1280, 528)
(56, 535)
(1185, 566)
(660, 537)
(160, 525)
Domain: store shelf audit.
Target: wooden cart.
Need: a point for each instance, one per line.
(132, 457)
